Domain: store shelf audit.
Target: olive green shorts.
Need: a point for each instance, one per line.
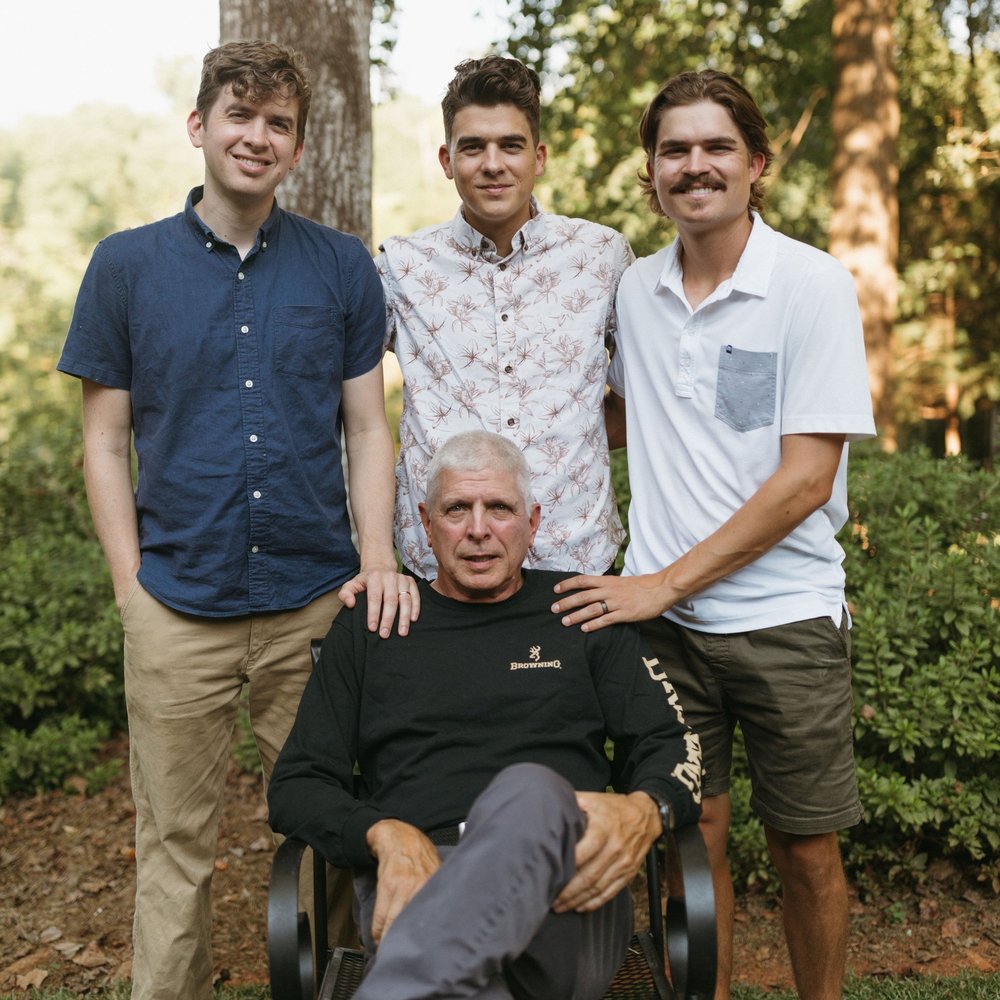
(789, 689)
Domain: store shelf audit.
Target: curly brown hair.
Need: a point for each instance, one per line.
(706, 85)
(491, 81)
(256, 71)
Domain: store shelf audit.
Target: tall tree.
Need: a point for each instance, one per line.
(864, 223)
(332, 184)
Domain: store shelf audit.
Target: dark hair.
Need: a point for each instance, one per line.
(706, 85)
(491, 81)
(256, 71)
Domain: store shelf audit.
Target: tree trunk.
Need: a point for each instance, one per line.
(333, 182)
(864, 224)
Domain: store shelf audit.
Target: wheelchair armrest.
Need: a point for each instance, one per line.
(690, 919)
(292, 957)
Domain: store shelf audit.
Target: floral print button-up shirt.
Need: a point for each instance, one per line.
(515, 345)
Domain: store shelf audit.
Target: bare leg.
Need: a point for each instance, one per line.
(815, 910)
(715, 813)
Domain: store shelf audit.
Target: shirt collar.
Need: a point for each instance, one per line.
(266, 235)
(753, 272)
(531, 235)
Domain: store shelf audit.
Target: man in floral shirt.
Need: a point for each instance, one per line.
(501, 319)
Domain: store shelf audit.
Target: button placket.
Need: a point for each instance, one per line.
(249, 373)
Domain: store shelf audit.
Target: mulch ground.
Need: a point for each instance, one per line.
(67, 878)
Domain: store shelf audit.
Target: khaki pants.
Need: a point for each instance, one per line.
(183, 679)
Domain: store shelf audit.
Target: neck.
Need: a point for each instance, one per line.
(237, 224)
(709, 258)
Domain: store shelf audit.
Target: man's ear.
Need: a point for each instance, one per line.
(534, 520)
(195, 127)
(425, 520)
(541, 155)
(444, 158)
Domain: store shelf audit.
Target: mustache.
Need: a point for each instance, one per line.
(686, 183)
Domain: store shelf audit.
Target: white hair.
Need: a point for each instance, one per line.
(477, 451)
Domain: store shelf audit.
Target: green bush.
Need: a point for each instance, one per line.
(60, 641)
(923, 571)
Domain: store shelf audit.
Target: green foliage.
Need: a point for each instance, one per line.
(60, 642)
(923, 570)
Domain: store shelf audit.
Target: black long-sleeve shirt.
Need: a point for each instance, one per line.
(432, 717)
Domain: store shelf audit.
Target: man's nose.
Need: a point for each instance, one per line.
(492, 160)
(478, 522)
(696, 161)
(256, 132)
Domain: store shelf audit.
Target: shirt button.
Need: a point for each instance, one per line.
(253, 438)
(503, 316)
(208, 245)
(511, 421)
(256, 494)
(503, 267)
(263, 245)
(249, 383)
(240, 275)
(244, 329)
(509, 369)
(255, 548)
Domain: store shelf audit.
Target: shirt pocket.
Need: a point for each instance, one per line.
(746, 388)
(308, 340)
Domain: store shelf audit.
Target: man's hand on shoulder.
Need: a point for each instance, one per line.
(620, 830)
(593, 602)
(406, 860)
(389, 592)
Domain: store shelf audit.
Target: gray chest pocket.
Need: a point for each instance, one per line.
(745, 393)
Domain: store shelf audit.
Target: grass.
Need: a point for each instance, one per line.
(970, 986)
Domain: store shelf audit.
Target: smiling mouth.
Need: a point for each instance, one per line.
(698, 188)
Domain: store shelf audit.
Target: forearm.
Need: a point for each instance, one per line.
(112, 507)
(781, 504)
(370, 457)
(107, 471)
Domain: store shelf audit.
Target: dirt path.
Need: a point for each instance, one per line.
(67, 881)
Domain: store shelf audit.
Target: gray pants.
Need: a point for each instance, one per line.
(482, 926)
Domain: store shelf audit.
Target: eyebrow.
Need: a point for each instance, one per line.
(242, 104)
(472, 140)
(715, 140)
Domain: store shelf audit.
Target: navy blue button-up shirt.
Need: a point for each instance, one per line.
(235, 370)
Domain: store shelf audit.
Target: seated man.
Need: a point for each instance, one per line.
(491, 715)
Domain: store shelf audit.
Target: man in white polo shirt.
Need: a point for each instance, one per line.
(741, 371)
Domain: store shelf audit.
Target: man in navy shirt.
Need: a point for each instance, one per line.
(234, 341)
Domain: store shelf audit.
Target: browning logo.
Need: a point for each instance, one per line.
(535, 661)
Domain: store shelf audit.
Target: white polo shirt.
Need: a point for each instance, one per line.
(776, 349)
